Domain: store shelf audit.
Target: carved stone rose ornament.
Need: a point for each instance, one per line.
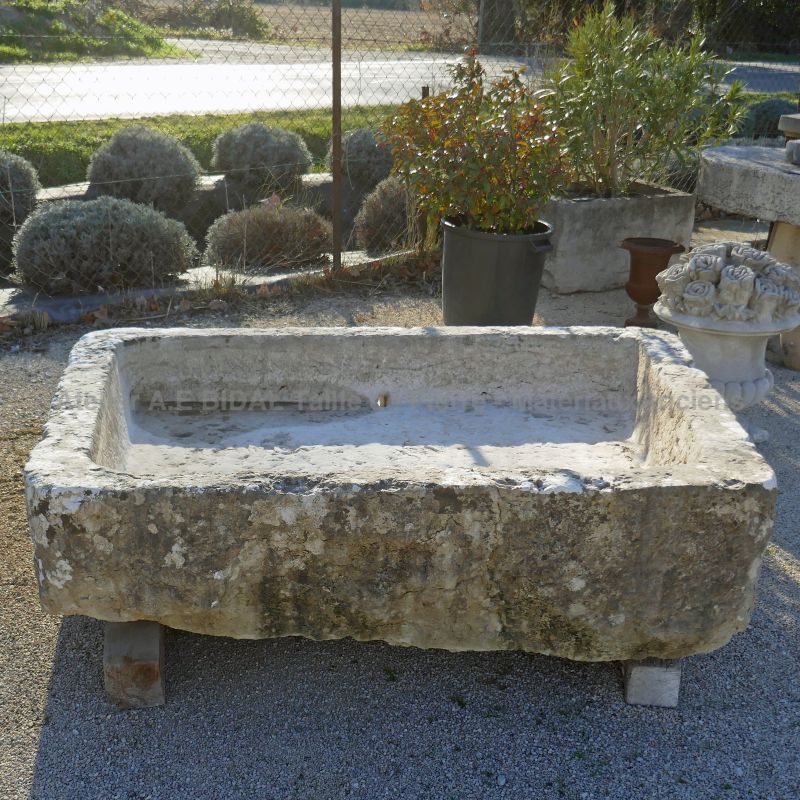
(726, 300)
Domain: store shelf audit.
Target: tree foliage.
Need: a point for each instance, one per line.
(632, 105)
(488, 157)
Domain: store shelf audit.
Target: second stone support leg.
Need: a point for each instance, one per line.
(652, 682)
(133, 664)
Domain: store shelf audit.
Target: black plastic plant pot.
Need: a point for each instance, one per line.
(492, 278)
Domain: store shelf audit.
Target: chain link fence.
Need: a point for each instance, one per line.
(76, 73)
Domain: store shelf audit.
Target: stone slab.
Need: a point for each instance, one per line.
(133, 664)
(581, 492)
(792, 152)
(78, 191)
(586, 232)
(653, 682)
(753, 181)
(789, 124)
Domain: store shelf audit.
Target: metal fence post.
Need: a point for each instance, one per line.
(336, 137)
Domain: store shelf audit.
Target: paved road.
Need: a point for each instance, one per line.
(763, 77)
(226, 81)
(235, 76)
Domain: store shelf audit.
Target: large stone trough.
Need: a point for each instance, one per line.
(580, 492)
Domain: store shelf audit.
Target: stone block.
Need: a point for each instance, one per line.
(752, 181)
(652, 682)
(315, 190)
(793, 151)
(789, 125)
(133, 664)
(587, 231)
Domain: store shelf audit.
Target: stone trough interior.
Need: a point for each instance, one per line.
(377, 407)
(548, 490)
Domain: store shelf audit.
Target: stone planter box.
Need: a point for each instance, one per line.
(585, 255)
(451, 488)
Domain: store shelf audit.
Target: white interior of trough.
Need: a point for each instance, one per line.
(377, 407)
(398, 437)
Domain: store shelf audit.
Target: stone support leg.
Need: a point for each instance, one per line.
(133, 664)
(652, 682)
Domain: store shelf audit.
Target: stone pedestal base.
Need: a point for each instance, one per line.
(735, 365)
(133, 664)
(652, 682)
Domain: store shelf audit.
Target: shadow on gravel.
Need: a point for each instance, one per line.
(779, 415)
(292, 718)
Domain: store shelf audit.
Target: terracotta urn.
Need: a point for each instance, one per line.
(648, 257)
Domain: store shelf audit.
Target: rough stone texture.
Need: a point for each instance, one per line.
(790, 349)
(784, 243)
(754, 181)
(133, 664)
(792, 152)
(653, 682)
(586, 232)
(579, 492)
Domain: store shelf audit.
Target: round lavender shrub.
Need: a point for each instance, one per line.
(73, 246)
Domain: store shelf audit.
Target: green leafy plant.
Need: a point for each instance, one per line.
(487, 157)
(633, 106)
(242, 18)
(265, 236)
(145, 166)
(773, 22)
(87, 245)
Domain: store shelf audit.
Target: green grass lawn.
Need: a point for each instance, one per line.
(61, 150)
(71, 30)
(761, 57)
(756, 97)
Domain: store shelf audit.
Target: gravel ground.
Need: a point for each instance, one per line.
(296, 719)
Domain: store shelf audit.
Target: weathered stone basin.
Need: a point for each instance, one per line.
(579, 492)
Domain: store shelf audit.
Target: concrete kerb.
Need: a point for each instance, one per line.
(16, 301)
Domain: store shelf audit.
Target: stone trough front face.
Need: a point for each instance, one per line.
(578, 492)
